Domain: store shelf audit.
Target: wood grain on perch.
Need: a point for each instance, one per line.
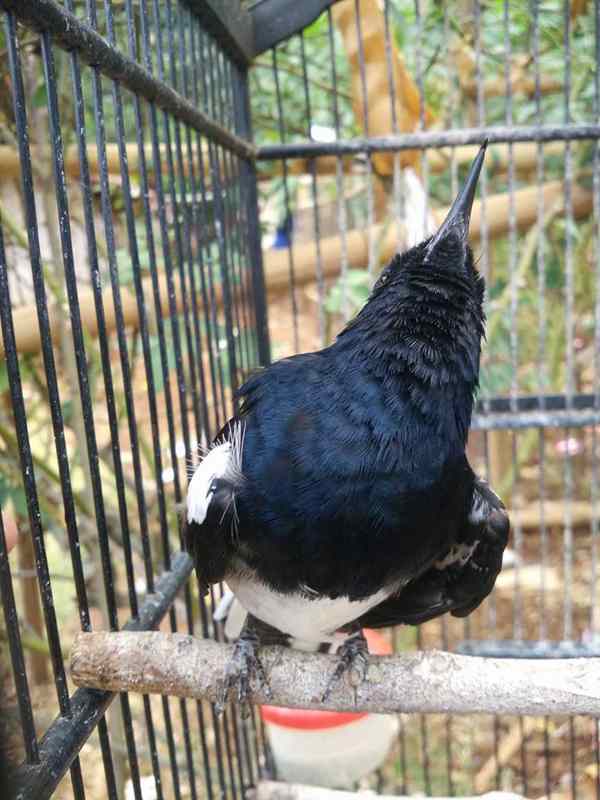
(428, 682)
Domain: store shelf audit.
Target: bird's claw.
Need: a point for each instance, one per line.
(242, 671)
(353, 662)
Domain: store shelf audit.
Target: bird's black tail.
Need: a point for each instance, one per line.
(461, 584)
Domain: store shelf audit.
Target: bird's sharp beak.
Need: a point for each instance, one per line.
(457, 220)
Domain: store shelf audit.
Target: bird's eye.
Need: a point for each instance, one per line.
(383, 278)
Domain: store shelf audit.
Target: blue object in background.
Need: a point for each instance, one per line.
(283, 236)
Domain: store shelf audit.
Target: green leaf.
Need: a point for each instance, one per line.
(156, 360)
(14, 494)
(3, 378)
(124, 266)
(353, 289)
(39, 98)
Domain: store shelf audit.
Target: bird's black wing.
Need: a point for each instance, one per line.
(209, 536)
(462, 579)
(337, 495)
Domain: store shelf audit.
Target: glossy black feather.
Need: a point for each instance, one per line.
(459, 588)
(354, 465)
(211, 544)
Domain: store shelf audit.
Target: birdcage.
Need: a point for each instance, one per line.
(191, 188)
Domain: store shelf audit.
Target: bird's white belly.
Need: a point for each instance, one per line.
(302, 616)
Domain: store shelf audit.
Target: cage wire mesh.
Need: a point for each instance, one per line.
(341, 190)
(128, 316)
(132, 303)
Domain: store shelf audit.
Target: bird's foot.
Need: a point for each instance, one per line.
(353, 662)
(244, 670)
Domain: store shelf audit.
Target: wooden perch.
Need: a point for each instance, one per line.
(276, 790)
(428, 682)
(404, 94)
(276, 262)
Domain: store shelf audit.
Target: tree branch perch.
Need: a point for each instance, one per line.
(428, 682)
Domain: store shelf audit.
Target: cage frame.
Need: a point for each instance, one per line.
(245, 34)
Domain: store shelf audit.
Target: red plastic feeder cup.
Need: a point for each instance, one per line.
(329, 748)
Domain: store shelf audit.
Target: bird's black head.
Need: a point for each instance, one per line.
(445, 256)
(424, 319)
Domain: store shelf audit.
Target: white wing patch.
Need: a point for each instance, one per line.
(481, 508)
(459, 554)
(223, 460)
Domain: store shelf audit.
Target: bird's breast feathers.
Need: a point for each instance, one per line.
(303, 615)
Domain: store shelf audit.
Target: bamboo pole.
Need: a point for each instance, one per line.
(422, 682)
(578, 7)
(276, 790)
(276, 262)
(33, 616)
(497, 215)
(520, 84)
(10, 166)
(25, 320)
(524, 159)
(554, 514)
(463, 52)
(524, 156)
(377, 89)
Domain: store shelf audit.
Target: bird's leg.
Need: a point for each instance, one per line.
(244, 668)
(353, 661)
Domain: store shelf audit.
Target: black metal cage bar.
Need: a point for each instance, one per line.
(393, 96)
(157, 240)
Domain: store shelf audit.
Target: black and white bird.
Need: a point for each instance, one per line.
(340, 496)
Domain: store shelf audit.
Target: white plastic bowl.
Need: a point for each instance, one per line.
(327, 748)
